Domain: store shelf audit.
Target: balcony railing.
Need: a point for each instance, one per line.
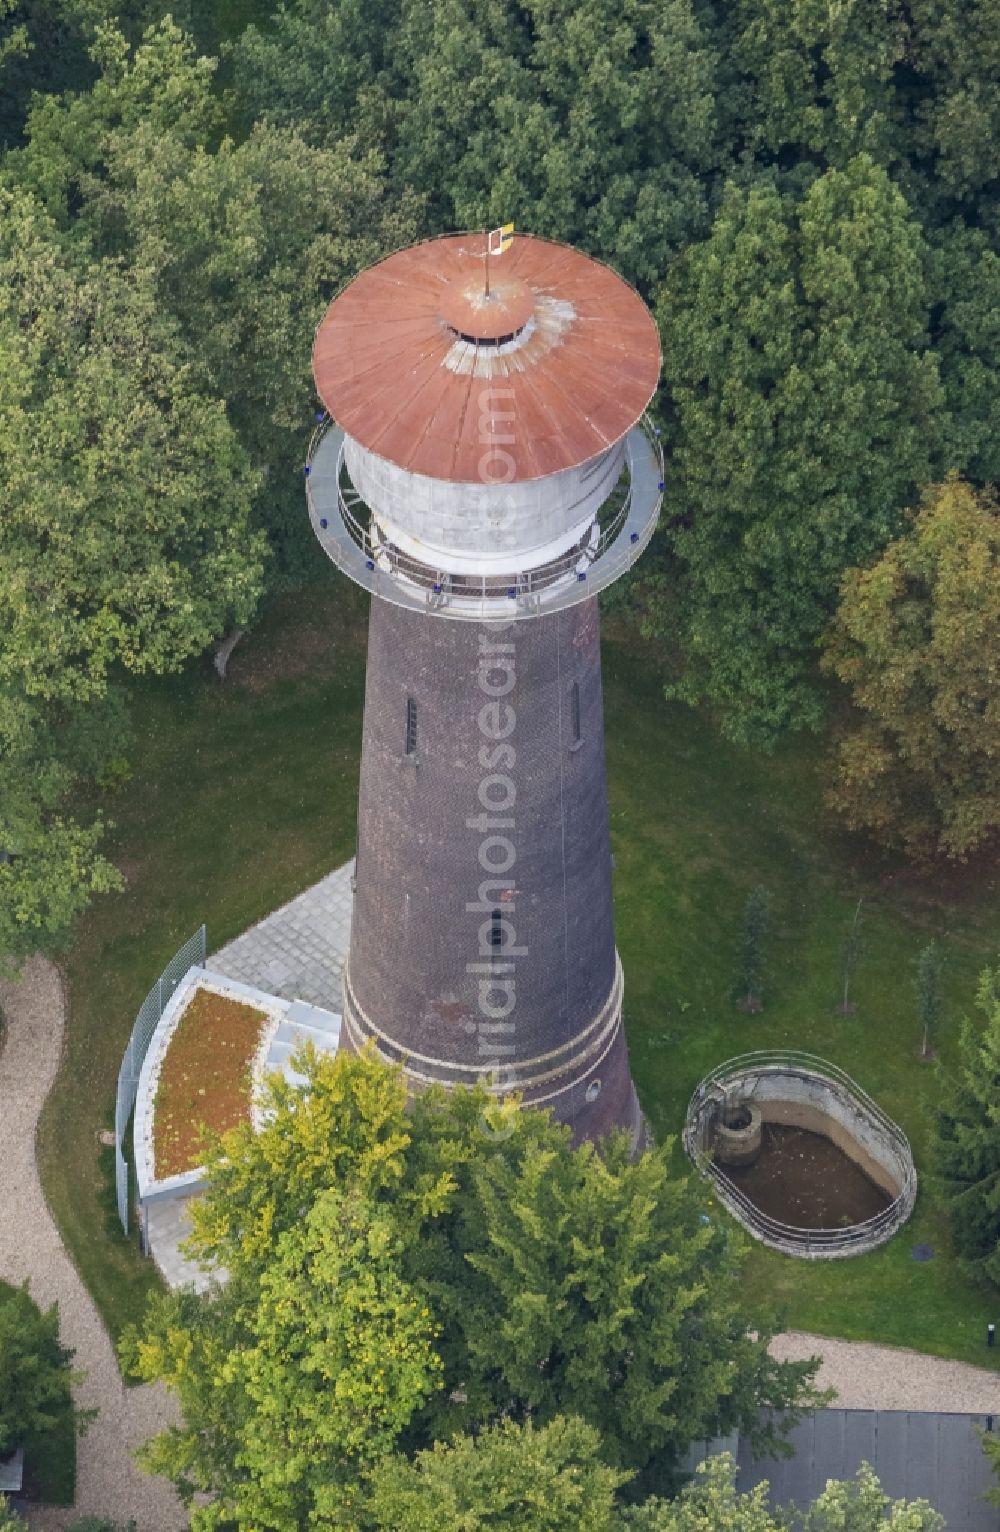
(351, 536)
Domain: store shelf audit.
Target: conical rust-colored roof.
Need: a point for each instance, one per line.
(420, 366)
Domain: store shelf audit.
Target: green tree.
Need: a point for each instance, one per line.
(301, 1386)
(34, 1370)
(326, 71)
(511, 1476)
(593, 122)
(349, 1136)
(241, 245)
(14, 41)
(804, 404)
(10, 1521)
(952, 103)
(53, 865)
(862, 1505)
(965, 289)
(928, 987)
(813, 80)
(753, 961)
(46, 881)
(397, 1275)
(916, 639)
(599, 1287)
(711, 1503)
(124, 538)
(44, 48)
(124, 545)
(966, 1144)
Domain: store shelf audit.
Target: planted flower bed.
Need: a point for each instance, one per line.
(205, 1079)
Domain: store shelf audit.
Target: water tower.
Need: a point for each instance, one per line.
(485, 471)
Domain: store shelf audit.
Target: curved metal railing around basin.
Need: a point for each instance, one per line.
(794, 1240)
(625, 526)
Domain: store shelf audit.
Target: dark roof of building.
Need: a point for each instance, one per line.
(917, 1454)
(406, 357)
(12, 1472)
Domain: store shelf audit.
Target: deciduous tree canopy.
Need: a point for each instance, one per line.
(805, 192)
(397, 1276)
(711, 1504)
(124, 544)
(804, 403)
(594, 123)
(916, 639)
(549, 1479)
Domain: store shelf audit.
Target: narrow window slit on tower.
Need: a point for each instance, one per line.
(496, 937)
(411, 727)
(574, 704)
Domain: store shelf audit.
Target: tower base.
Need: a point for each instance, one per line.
(587, 1085)
(482, 940)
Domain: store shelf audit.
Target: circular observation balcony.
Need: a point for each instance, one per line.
(352, 538)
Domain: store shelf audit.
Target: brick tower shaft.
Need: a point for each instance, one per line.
(489, 471)
(482, 944)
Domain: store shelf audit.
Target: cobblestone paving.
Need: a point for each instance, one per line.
(298, 951)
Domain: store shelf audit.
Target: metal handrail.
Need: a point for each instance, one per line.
(441, 584)
(765, 1058)
(791, 1237)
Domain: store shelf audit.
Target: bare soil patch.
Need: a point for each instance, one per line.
(205, 1079)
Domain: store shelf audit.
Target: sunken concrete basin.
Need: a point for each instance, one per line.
(801, 1156)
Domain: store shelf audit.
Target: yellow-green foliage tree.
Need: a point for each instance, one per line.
(400, 1273)
(916, 639)
(527, 1479)
(711, 1503)
(300, 1384)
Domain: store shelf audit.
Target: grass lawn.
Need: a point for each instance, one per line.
(244, 794)
(50, 1463)
(695, 824)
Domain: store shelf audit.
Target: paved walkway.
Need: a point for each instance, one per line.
(298, 951)
(108, 1482)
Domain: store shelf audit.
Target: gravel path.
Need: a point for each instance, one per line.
(869, 1377)
(108, 1482)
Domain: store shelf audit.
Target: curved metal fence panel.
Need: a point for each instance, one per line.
(782, 1236)
(192, 954)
